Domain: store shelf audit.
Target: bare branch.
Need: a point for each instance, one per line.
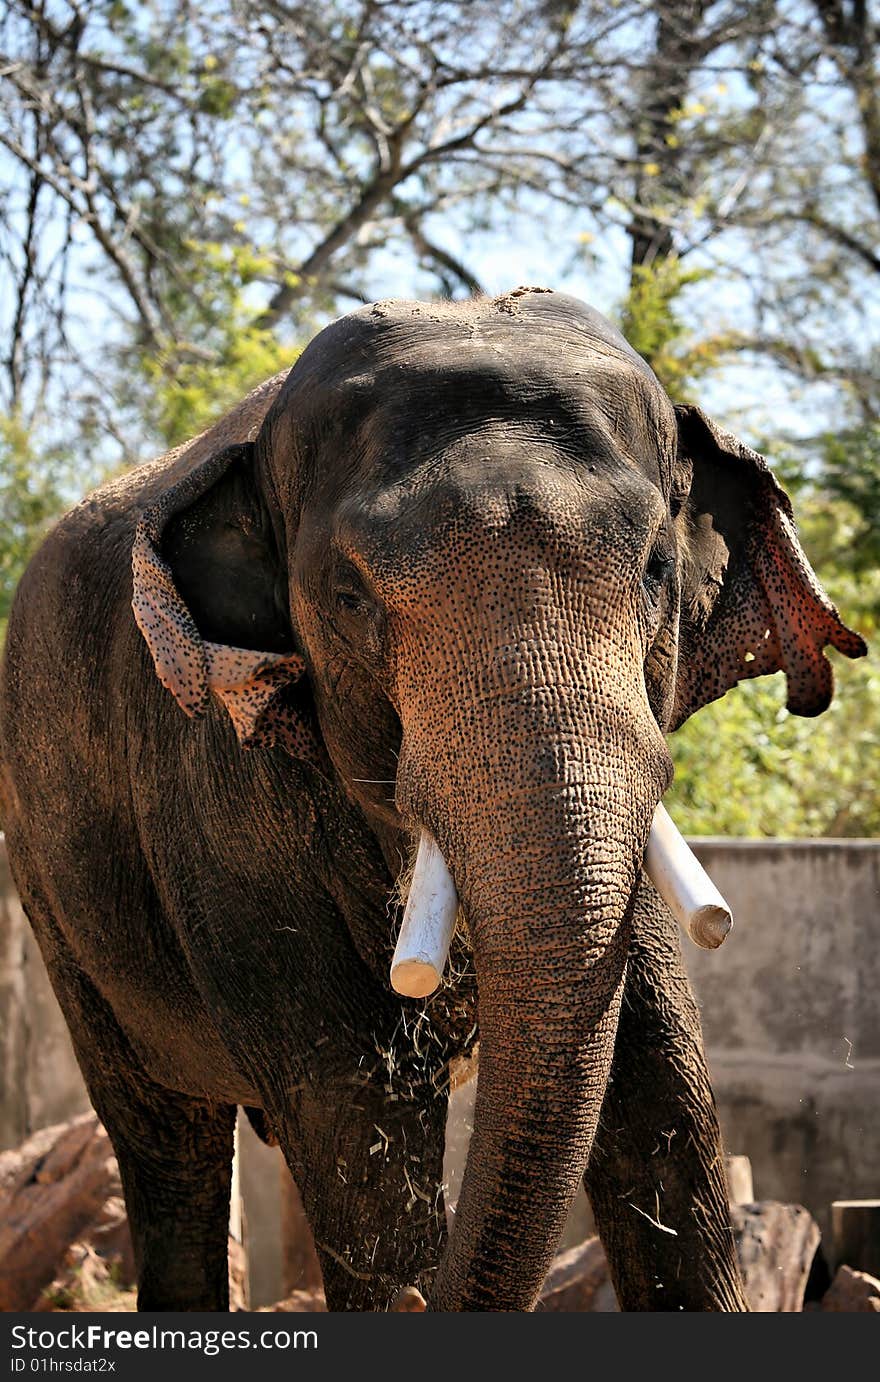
(87, 213)
(447, 262)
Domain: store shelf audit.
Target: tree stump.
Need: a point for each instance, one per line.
(855, 1235)
(776, 1244)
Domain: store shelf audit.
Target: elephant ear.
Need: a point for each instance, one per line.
(751, 603)
(209, 597)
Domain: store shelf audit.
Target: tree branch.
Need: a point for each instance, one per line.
(428, 249)
(87, 213)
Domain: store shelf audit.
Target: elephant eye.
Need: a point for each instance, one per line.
(658, 572)
(350, 595)
(350, 600)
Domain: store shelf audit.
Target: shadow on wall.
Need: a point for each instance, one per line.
(791, 1013)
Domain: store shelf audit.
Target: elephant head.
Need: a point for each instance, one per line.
(476, 554)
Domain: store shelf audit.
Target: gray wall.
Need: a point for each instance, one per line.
(791, 1014)
(797, 980)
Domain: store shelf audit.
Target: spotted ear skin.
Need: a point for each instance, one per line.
(220, 543)
(252, 686)
(168, 627)
(751, 602)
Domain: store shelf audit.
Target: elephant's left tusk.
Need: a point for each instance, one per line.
(684, 885)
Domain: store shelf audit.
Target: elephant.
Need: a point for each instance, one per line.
(462, 569)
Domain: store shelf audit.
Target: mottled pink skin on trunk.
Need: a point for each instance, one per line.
(531, 753)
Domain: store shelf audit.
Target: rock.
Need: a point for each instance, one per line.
(776, 1244)
(578, 1281)
(299, 1303)
(852, 1291)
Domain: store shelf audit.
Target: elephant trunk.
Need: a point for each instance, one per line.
(544, 849)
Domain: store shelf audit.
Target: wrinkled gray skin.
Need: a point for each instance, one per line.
(508, 565)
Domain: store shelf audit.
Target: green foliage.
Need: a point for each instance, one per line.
(31, 488)
(851, 476)
(188, 395)
(177, 393)
(186, 387)
(652, 320)
(744, 766)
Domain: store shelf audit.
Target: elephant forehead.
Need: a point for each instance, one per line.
(414, 414)
(414, 364)
(497, 364)
(524, 313)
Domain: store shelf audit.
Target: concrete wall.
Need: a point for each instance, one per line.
(791, 1014)
(795, 983)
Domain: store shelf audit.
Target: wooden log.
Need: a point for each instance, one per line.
(776, 1244)
(855, 1235)
(51, 1189)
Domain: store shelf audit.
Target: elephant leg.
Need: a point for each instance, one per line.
(656, 1176)
(174, 1154)
(175, 1160)
(370, 1171)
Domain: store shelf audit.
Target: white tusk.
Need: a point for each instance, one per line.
(432, 905)
(428, 924)
(684, 885)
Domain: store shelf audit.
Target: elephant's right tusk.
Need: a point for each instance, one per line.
(428, 924)
(684, 885)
